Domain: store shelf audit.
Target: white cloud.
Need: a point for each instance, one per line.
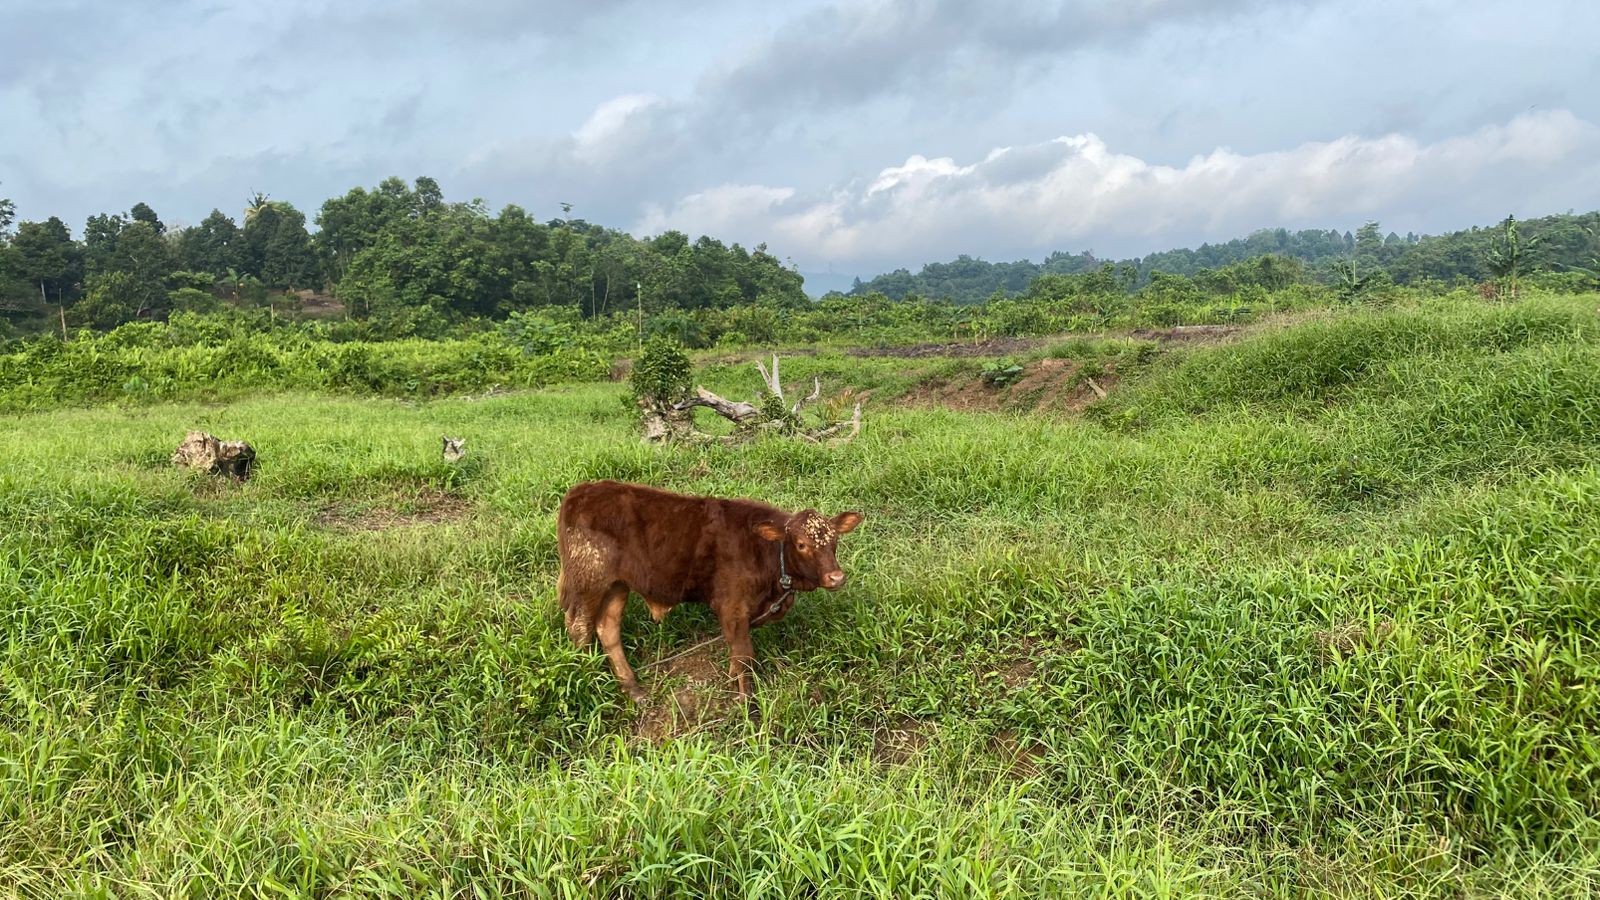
(609, 122)
(919, 170)
(1076, 191)
(748, 205)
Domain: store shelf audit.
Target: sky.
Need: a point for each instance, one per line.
(852, 138)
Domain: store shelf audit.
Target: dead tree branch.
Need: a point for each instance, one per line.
(816, 391)
(735, 412)
(758, 417)
(774, 385)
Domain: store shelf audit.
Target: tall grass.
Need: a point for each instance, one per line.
(1316, 361)
(48, 372)
(1331, 633)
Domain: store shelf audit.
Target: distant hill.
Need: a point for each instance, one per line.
(1560, 242)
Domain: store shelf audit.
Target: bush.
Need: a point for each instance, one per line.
(662, 373)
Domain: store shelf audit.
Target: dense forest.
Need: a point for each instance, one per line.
(398, 257)
(1555, 243)
(399, 261)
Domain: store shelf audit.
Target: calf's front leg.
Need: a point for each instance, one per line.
(741, 652)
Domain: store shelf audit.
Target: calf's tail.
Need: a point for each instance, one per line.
(579, 614)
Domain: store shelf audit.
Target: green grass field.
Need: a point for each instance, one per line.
(1313, 612)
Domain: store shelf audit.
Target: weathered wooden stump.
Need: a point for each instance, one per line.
(199, 450)
(455, 449)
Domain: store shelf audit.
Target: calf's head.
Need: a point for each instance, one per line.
(809, 540)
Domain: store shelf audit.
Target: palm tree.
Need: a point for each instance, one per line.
(257, 202)
(1508, 256)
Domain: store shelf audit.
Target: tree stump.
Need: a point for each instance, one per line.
(663, 422)
(199, 450)
(455, 449)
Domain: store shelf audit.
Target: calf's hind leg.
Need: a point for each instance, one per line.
(609, 627)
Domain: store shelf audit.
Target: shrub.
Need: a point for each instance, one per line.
(661, 375)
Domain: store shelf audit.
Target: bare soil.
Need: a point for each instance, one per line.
(1051, 385)
(992, 347)
(1019, 671)
(314, 305)
(704, 698)
(1021, 756)
(428, 508)
(901, 742)
(1189, 334)
(1186, 334)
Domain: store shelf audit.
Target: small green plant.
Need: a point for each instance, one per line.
(1001, 373)
(661, 375)
(1351, 283)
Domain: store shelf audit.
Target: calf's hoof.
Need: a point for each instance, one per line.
(635, 694)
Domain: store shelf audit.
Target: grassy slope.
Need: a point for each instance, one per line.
(1317, 611)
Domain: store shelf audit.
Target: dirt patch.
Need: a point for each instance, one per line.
(1020, 757)
(1349, 637)
(1189, 334)
(429, 508)
(736, 357)
(1016, 673)
(1024, 661)
(314, 305)
(901, 742)
(1051, 385)
(992, 347)
(704, 698)
(961, 394)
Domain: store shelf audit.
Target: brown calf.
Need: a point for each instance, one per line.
(744, 558)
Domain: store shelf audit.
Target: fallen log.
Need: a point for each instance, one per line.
(735, 412)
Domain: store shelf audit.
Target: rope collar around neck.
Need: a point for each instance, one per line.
(785, 587)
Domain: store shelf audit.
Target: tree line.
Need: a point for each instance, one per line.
(401, 261)
(398, 257)
(1556, 243)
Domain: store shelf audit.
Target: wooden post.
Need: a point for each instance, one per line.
(62, 308)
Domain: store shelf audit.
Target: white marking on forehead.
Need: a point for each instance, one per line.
(820, 530)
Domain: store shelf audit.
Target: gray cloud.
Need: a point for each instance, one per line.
(856, 52)
(482, 20)
(607, 165)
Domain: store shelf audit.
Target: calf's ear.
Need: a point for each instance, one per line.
(846, 522)
(768, 531)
